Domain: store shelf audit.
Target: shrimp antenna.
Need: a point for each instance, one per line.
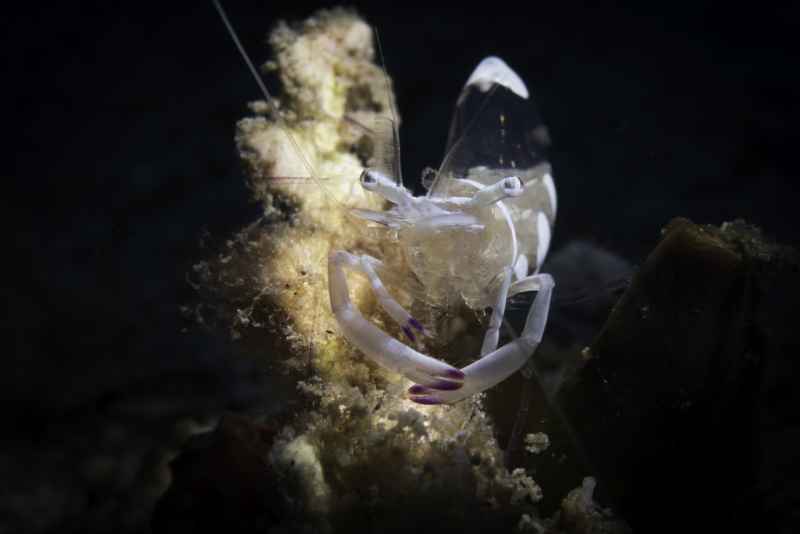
(395, 130)
(270, 101)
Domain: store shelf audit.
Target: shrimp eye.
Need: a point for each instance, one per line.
(513, 186)
(368, 180)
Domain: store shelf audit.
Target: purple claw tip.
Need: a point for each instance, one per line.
(426, 400)
(455, 374)
(409, 333)
(416, 324)
(416, 389)
(446, 385)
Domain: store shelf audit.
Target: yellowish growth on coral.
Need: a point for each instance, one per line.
(320, 64)
(329, 79)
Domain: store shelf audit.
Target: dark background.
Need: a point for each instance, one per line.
(121, 148)
(119, 129)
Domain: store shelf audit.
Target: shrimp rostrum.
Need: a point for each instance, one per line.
(480, 234)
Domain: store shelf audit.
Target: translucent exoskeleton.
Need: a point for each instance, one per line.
(479, 235)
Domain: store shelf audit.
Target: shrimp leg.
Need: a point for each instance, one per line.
(501, 363)
(407, 323)
(376, 344)
(492, 335)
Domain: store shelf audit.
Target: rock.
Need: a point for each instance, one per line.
(675, 399)
(223, 482)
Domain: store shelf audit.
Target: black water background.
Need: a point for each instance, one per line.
(119, 130)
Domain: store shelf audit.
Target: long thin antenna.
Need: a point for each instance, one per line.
(395, 129)
(270, 101)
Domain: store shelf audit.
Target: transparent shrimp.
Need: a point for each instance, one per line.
(480, 234)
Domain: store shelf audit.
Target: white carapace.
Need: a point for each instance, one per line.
(480, 234)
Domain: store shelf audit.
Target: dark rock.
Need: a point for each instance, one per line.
(223, 482)
(685, 405)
